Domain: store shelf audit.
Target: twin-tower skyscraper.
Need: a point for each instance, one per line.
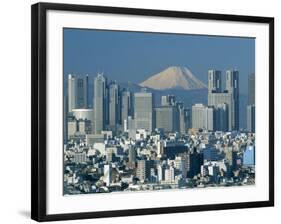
(224, 100)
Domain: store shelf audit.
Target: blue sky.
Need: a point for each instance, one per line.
(135, 56)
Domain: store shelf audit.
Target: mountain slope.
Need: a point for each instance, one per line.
(174, 78)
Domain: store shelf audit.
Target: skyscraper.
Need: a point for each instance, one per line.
(126, 108)
(217, 99)
(65, 119)
(221, 117)
(168, 100)
(167, 118)
(198, 116)
(251, 89)
(209, 118)
(251, 126)
(250, 110)
(187, 117)
(82, 92)
(71, 92)
(232, 87)
(143, 110)
(214, 81)
(230, 96)
(114, 104)
(100, 101)
(203, 117)
(184, 118)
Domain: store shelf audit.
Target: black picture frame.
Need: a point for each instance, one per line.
(39, 122)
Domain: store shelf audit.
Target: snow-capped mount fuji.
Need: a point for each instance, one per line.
(174, 77)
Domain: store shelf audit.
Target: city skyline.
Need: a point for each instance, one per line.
(112, 97)
(140, 136)
(152, 148)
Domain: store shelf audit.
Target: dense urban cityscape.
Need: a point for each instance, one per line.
(125, 142)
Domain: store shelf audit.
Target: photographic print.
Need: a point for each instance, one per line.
(148, 111)
(144, 111)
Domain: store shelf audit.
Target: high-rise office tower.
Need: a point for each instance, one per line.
(209, 118)
(80, 86)
(71, 93)
(167, 118)
(251, 89)
(221, 117)
(230, 97)
(82, 92)
(198, 116)
(251, 118)
(251, 104)
(114, 104)
(65, 119)
(214, 81)
(203, 117)
(143, 110)
(187, 117)
(232, 87)
(183, 118)
(168, 100)
(216, 99)
(126, 108)
(100, 101)
(71, 126)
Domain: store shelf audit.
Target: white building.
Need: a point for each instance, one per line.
(160, 173)
(71, 92)
(203, 117)
(180, 163)
(71, 128)
(170, 174)
(80, 157)
(107, 174)
(141, 134)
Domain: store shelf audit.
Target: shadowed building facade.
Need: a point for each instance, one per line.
(100, 103)
(143, 110)
(114, 104)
